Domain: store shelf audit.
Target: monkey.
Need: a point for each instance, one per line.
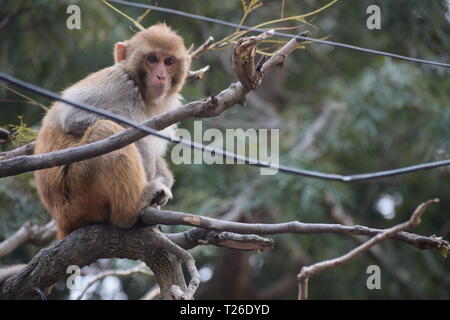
(149, 71)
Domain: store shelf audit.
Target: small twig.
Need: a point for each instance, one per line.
(8, 271)
(280, 56)
(26, 149)
(235, 211)
(316, 127)
(212, 106)
(308, 271)
(399, 273)
(197, 236)
(189, 261)
(197, 74)
(141, 268)
(202, 49)
(152, 293)
(4, 134)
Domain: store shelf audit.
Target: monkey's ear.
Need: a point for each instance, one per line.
(120, 52)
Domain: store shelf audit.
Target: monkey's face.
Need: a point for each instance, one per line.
(157, 59)
(159, 70)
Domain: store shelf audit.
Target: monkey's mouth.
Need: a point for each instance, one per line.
(156, 90)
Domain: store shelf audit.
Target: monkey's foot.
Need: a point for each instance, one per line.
(157, 194)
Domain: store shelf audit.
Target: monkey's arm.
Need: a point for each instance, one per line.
(76, 121)
(110, 89)
(163, 172)
(158, 188)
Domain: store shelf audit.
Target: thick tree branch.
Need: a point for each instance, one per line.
(88, 244)
(91, 243)
(153, 216)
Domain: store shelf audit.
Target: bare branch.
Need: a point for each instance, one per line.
(202, 49)
(141, 268)
(8, 271)
(308, 271)
(153, 216)
(316, 127)
(197, 236)
(399, 273)
(26, 149)
(152, 293)
(197, 74)
(29, 232)
(279, 57)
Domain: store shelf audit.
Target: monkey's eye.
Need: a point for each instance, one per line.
(152, 58)
(169, 61)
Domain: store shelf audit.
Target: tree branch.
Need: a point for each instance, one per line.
(197, 74)
(29, 232)
(308, 271)
(26, 149)
(88, 244)
(197, 236)
(141, 268)
(201, 49)
(153, 216)
(91, 243)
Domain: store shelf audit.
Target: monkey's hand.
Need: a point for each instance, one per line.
(156, 194)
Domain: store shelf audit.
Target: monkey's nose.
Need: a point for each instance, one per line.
(161, 77)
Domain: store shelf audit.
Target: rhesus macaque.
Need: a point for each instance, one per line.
(149, 71)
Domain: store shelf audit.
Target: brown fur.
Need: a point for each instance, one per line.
(107, 188)
(116, 186)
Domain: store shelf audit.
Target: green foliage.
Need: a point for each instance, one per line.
(22, 134)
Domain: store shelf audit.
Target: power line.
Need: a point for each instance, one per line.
(280, 34)
(236, 157)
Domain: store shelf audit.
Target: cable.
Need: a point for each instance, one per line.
(280, 34)
(236, 157)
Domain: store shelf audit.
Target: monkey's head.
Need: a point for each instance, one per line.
(157, 59)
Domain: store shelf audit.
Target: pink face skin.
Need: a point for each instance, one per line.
(160, 68)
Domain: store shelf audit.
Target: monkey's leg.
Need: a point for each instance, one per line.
(107, 188)
(120, 176)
